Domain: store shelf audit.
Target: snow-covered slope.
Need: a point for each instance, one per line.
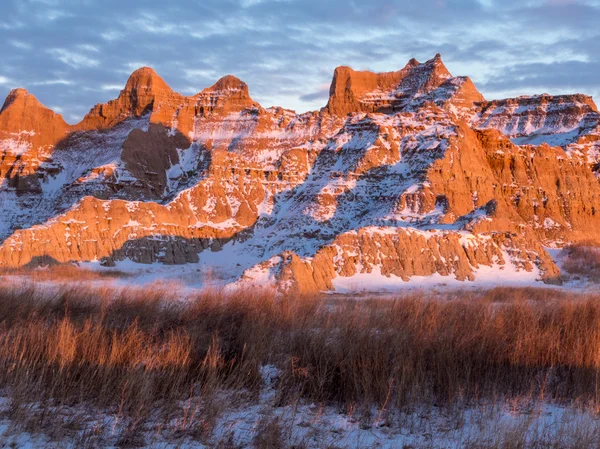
(568, 121)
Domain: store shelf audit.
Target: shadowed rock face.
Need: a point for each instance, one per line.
(149, 154)
(402, 174)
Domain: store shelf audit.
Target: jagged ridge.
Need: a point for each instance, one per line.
(411, 152)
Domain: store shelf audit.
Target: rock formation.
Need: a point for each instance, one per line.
(401, 175)
(28, 133)
(410, 87)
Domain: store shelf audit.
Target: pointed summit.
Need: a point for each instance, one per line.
(428, 76)
(21, 98)
(145, 79)
(228, 82)
(438, 64)
(22, 111)
(33, 129)
(18, 94)
(229, 94)
(436, 83)
(411, 64)
(143, 89)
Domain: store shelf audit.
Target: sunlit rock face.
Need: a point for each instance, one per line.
(401, 176)
(406, 89)
(28, 133)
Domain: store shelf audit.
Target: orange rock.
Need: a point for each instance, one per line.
(406, 173)
(29, 131)
(353, 91)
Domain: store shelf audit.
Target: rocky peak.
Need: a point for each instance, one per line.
(353, 91)
(143, 89)
(22, 111)
(228, 83)
(229, 94)
(145, 80)
(16, 95)
(349, 88)
(424, 78)
(28, 132)
(412, 63)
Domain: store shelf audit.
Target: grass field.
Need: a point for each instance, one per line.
(143, 357)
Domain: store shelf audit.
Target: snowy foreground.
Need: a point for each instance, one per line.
(235, 421)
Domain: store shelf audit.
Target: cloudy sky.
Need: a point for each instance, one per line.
(74, 53)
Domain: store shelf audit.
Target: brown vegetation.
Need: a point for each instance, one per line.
(97, 341)
(142, 352)
(63, 273)
(584, 260)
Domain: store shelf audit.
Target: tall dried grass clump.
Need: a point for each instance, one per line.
(143, 350)
(584, 260)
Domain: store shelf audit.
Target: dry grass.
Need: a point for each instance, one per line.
(140, 352)
(126, 346)
(583, 260)
(63, 273)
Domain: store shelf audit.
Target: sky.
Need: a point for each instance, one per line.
(72, 54)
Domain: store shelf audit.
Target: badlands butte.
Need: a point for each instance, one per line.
(402, 175)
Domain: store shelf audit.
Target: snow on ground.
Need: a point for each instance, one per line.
(321, 427)
(556, 139)
(216, 270)
(239, 421)
(485, 277)
(15, 146)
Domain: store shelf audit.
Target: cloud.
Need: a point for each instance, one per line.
(52, 15)
(559, 76)
(321, 94)
(112, 35)
(73, 59)
(111, 87)
(88, 48)
(46, 2)
(52, 82)
(151, 23)
(11, 25)
(4, 81)
(286, 50)
(202, 74)
(130, 67)
(20, 45)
